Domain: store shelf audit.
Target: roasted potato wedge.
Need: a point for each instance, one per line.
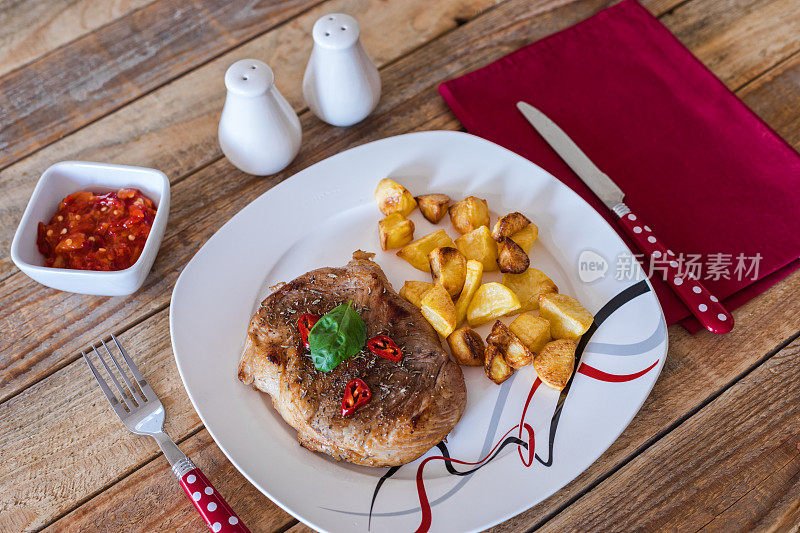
(471, 284)
(532, 330)
(438, 309)
(554, 364)
(469, 214)
(509, 224)
(448, 268)
(510, 257)
(528, 286)
(526, 237)
(467, 347)
(417, 252)
(395, 231)
(491, 301)
(433, 206)
(413, 291)
(392, 197)
(495, 365)
(479, 245)
(568, 318)
(516, 354)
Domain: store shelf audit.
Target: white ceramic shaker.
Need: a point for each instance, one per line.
(259, 132)
(341, 84)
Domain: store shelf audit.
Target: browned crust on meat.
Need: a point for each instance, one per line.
(414, 404)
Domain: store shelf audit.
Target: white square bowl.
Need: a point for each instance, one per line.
(66, 178)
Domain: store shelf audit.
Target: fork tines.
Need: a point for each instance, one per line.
(134, 393)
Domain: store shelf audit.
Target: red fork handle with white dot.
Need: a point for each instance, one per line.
(703, 305)
(212, 507)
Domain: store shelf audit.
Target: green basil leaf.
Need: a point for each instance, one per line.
(337, 336)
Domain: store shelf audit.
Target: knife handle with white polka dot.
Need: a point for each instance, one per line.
(211, 506)
(704, 306)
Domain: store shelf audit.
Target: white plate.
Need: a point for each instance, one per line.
(317, 218)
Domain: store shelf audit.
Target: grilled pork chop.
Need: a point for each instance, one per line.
(415, 402)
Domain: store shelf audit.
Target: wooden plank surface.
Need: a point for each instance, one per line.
(686, 371)
(774, 97)
(185, 136)
(119, 476)
(770, 505)
(102, 71)
(134, 137)
(150, 499)
(74, 444)
(687, 380)
(45, 471)
(181, 136)
(33, 28)
(178, 140)
(738, 40)
(685, 481)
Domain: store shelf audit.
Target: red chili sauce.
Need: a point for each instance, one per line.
(97, 231)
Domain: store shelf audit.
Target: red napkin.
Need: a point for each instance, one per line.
(703, 170)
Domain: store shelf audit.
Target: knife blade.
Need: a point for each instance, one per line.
(701, 303)
(597, 180)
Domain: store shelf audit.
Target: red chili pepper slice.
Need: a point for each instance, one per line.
(384, 346)
(304, 324)
(356, 394)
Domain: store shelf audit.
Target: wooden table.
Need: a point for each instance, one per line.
(717, 444)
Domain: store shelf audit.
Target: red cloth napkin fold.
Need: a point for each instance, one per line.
(703, 170)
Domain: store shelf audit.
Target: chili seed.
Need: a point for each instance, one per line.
(49, 233)
(101, 249)
(63, 231)
(77, 217)
(60, 218)
(68, 242)
(131, 237)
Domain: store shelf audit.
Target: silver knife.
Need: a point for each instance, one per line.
(702, 304)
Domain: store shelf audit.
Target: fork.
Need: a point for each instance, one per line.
(142, 413)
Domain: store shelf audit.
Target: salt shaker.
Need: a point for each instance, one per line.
(341, 84)
(259, 132)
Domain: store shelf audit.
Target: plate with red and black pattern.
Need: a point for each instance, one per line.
(517, 443)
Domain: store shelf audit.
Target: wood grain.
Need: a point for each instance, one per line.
(687, 380)
(133, 135)
(686, 370)
(73, 435)
(150, 499)
(738, 40)
(771, 505)
(183, 138)
(102, 71)
(74, 445)
(410, 103)
(709, 464)
(53, 491)
(774, 98)
(174, 128)
(33, 28)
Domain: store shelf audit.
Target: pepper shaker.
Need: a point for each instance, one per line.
(259, 132)
(341, 83)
